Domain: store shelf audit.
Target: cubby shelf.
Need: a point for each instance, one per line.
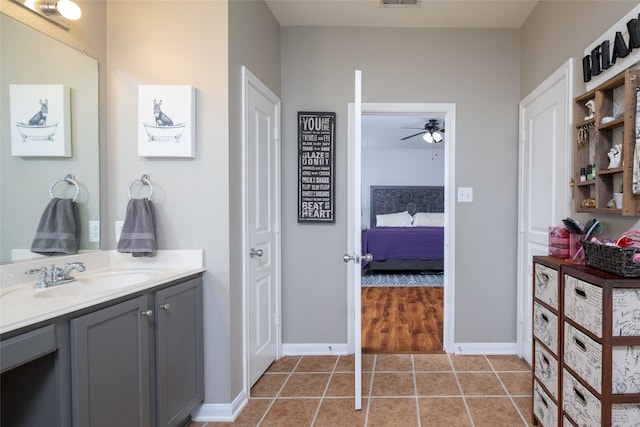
(616, 100)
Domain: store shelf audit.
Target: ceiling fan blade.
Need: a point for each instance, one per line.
(411, 136)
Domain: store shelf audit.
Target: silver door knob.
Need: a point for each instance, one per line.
(165, 306)
(347, 258)
(256, 253)
(147, 313)
(356, 258)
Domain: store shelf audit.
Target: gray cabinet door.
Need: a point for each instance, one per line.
(111, 367)
(179, 351)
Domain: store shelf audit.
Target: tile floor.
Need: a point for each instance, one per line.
(398, 390)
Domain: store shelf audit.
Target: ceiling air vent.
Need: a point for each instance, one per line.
(400, 2)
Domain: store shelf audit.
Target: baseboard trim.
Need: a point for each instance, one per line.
(320, 349)
(220, 412)
(485, 348)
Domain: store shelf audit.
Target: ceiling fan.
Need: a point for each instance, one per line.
(432, 132)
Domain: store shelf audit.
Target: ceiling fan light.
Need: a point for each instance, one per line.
(427, 137)
(437, 136)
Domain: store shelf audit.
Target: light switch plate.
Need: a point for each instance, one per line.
(119, 225)
(94, 231)
(465, 194)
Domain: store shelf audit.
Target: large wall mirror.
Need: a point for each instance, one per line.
(30, 57)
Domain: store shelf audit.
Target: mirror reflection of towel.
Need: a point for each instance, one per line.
(138, 235)
(58, 230)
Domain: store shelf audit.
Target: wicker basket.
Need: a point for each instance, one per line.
(612, 259)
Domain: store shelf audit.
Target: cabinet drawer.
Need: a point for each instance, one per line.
(578, 402)
(584, 356)
(625, 414)
(626, 312)
(29, 346)
(545, 327)
(544, 408)
(625, 373)
(583, 304)
(546, 285)
(546, 369)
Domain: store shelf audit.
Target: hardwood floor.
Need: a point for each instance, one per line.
(402, 319)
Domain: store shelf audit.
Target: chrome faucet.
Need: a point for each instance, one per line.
(56, 275)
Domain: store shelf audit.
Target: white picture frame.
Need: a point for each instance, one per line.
(166, 121)
(40, 120)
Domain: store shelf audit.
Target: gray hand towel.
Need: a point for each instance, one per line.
(58, 230)
(138, 235)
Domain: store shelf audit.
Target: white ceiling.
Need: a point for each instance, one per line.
(387, 131)
(428, 14)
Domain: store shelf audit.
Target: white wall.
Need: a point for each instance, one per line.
(404, 166)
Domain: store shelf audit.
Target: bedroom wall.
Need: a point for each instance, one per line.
(568, 26)
(479, 71)
(405, 166)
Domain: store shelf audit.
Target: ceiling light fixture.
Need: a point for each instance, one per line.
(59, 12)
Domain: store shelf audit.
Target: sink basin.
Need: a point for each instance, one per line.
(94, 283)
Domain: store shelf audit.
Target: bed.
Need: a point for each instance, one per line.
(411, 235)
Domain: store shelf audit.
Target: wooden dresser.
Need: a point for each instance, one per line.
(586, 346)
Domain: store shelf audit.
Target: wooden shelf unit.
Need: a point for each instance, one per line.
(615, 98)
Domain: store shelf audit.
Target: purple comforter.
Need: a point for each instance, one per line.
(385, 243)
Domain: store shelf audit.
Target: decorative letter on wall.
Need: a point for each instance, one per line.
(166, 117)
(40, 124)
(316, 167)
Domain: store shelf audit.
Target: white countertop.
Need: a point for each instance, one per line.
(22, 305)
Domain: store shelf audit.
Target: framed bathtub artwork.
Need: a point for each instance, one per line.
(40, 120)
(166, 121)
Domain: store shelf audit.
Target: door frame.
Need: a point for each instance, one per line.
(524, 310)
(449, 112)
(250, 80)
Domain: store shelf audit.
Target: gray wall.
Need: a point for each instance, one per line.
(569, 27)
(254, 41)
(182, 42)
(476, 69)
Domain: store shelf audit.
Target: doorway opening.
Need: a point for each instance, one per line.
(387, 129)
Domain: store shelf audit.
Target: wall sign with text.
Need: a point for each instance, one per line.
(316, 166)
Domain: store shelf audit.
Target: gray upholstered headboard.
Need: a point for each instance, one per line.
(386, 199)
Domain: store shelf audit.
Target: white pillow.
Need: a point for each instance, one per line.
(428, 219)
(400, 219)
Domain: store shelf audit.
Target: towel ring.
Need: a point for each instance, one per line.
(144, 179)
(69, 180)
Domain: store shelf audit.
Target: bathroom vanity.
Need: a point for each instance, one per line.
(121, 345)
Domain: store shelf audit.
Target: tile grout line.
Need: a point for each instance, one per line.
(507, 391)
(324, 393)
(464, 398)
(273, 401)
(415, 390)
(373, 372)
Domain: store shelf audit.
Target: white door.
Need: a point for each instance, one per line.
(261, 147)
(544, 170)
(353, 255)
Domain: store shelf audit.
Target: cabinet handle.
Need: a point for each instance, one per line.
(544, 317)
(147, 313)
(580, 292)
(543, 400)
(166, 306)
(580, 397)
(545, 360)
(580, 344)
